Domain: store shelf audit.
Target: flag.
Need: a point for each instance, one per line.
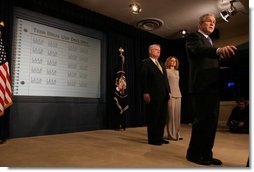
(5, 83)
(120, 94)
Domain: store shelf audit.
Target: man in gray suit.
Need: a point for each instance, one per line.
(155, 90)
(204, 90)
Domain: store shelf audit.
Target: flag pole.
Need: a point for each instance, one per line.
(121, 92)
(121, 50)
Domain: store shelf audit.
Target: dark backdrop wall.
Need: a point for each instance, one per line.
(30, 118)
(23, 122)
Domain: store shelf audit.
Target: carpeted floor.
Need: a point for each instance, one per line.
(118, 149)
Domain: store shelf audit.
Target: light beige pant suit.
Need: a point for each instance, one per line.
(174, 106)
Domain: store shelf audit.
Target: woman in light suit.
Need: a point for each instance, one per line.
(174, 103)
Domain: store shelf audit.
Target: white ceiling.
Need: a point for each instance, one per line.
(175, 14)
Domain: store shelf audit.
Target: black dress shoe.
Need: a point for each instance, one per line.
(215, 161)
(200, 161)
(164, 141)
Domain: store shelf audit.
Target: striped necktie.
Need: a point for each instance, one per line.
(159, 66)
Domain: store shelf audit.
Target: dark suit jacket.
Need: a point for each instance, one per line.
(204, 64)
(153, 81)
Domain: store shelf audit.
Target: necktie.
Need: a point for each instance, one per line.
(210, 40)
(158, 65)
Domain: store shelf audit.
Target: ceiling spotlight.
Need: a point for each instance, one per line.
(225, 14)
(135, 8)
(183, 32)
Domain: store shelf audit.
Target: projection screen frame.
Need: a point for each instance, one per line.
(20, 13)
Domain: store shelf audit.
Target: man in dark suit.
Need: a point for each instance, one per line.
(204, 90)
(155, 90)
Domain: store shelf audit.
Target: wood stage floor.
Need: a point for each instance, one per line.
(118, 149)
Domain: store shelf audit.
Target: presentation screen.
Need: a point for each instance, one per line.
(55, 62)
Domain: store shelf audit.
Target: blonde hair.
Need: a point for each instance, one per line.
(167, 63)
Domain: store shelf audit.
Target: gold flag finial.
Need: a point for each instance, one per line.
(2, 24)
(121, 50)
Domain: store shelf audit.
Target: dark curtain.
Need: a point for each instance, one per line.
(136, 49)
(115, 41)
(6, 14)
(135, 43)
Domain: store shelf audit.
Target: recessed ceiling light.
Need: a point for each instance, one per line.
(150, 24)
(183, 32)
(135, 8)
